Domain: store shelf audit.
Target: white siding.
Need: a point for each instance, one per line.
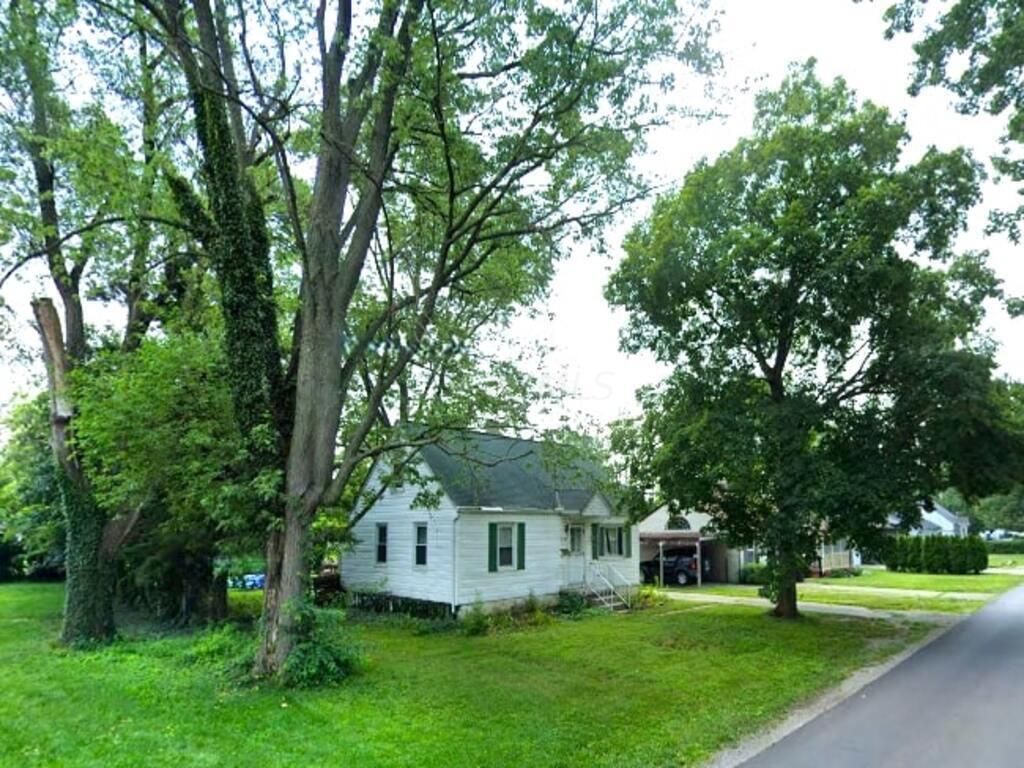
(657, 521)
(542, 574)
(399, 575)
(626, 567)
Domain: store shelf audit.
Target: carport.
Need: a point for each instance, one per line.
(653, 542)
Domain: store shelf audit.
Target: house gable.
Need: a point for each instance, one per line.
(399, 573)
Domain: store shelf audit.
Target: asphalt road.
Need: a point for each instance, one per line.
(958, 702)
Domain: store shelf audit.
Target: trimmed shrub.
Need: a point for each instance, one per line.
(754, 573)
(912, 554)
(892, 554)
(1006, 547)
(977, 554)
(937, 554)
(959, 559)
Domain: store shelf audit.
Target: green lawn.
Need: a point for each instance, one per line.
(1005, 561)
(809, 594)
(990, 583)
(666, 686)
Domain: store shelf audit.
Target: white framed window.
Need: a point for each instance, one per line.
(576, 539)
(506, 546)
(420, 556)
(613, 540)
(382, 542)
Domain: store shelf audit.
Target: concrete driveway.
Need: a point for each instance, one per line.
(957, 702)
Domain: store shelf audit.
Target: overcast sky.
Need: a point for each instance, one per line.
(758, 40)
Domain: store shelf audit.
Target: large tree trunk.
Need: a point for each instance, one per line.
(89, 589)
(785, 605)
(89, 595)
(310, 465)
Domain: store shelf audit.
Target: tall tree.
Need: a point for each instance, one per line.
(824, 334)
(90, 197)
(448, 137)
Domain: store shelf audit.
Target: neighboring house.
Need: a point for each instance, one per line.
(938, 521)
(509, 523)
(721, 562)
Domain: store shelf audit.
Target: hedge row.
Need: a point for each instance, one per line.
(936, 554)
(1006, 547)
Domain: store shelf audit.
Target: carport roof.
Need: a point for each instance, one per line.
(685, 536)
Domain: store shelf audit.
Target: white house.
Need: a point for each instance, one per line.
(508, 524)
(938, 521)
(721, 562)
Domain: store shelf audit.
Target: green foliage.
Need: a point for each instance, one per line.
(31, 516)
(975, 50)
(227, 649)
(475, 621)
(754, 573)
(1005, 510)
(647, 596)
(804, 286)
(570, 603)
(1006, 547)
(245, 606)
(325, 654)
(157, 425)
(937, 554)
(527, 613)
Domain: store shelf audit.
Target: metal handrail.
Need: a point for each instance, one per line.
(598, 569)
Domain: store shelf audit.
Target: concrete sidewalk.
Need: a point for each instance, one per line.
(810, 587)
(806, 606)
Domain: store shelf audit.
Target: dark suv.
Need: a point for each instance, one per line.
(680, 567)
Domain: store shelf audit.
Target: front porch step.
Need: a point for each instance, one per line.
(605, 599)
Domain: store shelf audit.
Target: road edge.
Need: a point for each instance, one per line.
(734, 756)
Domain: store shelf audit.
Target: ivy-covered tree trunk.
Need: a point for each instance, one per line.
(89, 592)
(89, 588)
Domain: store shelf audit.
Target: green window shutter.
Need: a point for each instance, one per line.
(492, 547)
(595, 540)
(627, 533)
(521, 548)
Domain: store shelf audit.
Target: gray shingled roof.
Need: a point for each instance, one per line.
(479, 469)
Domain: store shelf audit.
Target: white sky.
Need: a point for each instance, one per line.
(758, 39)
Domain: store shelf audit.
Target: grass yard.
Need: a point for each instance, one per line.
(989, 583)
(808, 594)
(1005, 561)
(667, 686)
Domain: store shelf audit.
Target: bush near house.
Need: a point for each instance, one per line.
(1008, 547)
(936, 554)
(754, 573)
